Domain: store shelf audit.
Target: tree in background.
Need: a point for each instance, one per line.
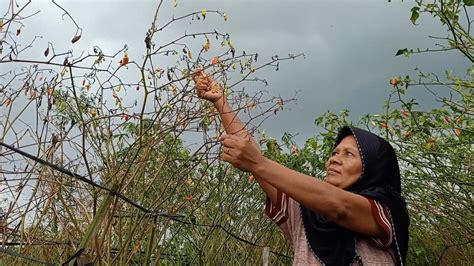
(436, 146)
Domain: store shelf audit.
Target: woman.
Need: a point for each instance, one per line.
(356, 215)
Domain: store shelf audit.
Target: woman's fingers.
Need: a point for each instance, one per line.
(202, 83)
(240, 152)
(198, 74)
(226, 150)
(206, 87)
(229, 142)
(225, 157)
(232, 143)
(234, 140)
(202, 90)
(229, 137)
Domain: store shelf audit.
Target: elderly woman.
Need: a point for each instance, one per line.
(355, 216)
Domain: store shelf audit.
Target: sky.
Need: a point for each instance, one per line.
(349, 46)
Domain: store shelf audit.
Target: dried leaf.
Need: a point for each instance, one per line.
(207, 45)
(458, 132)
(447, 120)
(294, 149)
(75, 38)
(124, 60)
(251, 105)
(8, 102)
(18, 31)
(148, 42)
(92, 111)
(46, 52)
(215, 60)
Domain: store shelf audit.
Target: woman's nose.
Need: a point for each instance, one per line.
(334, 159)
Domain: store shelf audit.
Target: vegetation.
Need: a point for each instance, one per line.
(94, 166)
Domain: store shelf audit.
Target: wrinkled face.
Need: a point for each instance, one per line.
(344, 167)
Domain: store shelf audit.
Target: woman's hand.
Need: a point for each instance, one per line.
(206, 87)
(241, 152)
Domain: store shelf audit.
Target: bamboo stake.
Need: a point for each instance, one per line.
(92, 229)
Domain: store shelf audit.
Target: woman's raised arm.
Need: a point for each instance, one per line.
(207, 88)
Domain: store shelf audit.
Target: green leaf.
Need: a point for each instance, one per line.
(401, 51)
(415, 14)
(468, 2)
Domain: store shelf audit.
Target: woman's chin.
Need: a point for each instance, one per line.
(331, 180)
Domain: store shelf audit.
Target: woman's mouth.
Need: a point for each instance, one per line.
(332, 171)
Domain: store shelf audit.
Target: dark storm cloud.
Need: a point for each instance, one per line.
(349, 46)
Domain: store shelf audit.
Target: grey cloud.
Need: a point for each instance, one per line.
(349, 46)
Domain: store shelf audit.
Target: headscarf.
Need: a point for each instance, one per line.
(380, 180)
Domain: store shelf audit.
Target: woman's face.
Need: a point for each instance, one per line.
(344, 167)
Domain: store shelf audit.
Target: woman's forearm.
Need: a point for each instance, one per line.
(309, 191)
(233, 125)
(269, 190)
(230, 120)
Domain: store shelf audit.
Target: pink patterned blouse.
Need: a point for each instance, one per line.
(287, 215)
